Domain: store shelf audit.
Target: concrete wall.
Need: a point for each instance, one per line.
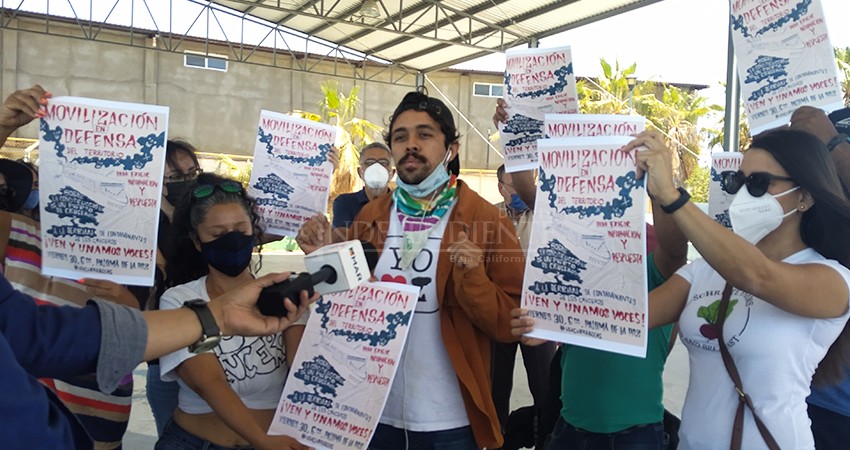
(217, 111)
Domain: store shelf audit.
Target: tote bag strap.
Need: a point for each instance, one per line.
(743, 398)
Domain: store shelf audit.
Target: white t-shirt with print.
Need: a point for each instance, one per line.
(776, 354)
(255, 366)
(425, 394)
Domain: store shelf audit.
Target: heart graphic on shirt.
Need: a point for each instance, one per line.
(398, 279)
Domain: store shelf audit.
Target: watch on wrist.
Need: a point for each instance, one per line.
(684, 196)
(839, 138)
(210, 334)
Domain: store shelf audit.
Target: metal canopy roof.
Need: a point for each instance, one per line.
(427, 35)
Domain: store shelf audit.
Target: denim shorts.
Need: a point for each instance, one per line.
(176, 438)
(392, 438)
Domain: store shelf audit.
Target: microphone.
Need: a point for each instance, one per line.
(332, 268)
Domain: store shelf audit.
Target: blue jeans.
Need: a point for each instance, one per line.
(641, 437)
(162, 396)
(176, 438)
(830, 429)
(392, 438)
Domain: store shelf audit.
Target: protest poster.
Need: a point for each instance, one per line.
(589, 125)
(342, 373)
(718, 199)
(100, 179)
(538, 81)
(785, 60)
(585, 275)
(291, 176)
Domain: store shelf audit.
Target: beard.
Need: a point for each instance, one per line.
(416, 175)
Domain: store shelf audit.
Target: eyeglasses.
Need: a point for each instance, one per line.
(205, 190)
(757, 182)
(382, 161)
(188, 176)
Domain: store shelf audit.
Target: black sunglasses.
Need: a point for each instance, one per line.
(757, 182)
(205, 190)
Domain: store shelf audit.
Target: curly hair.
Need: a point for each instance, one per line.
(436, 109)
(184, 262)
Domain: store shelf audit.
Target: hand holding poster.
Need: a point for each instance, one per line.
(537, 81)
(585, 275)
(100, 176)
(291, 176)
(718, 199)
(342, 373)
(785, 60)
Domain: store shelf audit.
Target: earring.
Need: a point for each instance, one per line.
(802, 207)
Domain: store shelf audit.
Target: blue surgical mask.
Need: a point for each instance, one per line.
(517, 204)
(438, 178)
(32, 200)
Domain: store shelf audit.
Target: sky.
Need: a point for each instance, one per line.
(672, 41)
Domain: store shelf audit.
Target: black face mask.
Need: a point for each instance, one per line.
(229, 253)
(177, 190)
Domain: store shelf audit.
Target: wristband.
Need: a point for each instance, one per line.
(684, 196)
(839, 138)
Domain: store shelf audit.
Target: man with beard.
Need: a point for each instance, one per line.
(436, 233)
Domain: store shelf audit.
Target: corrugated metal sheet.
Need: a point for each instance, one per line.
(431, 34)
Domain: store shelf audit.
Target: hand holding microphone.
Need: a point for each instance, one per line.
(332, 268)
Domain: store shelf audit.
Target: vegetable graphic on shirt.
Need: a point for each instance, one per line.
(709, 313)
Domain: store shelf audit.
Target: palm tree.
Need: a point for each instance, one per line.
(609, 94)
(716, 136)
(676, 114)
(339, 110)
(669, 109)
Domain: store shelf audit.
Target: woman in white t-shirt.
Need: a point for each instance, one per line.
(787, 262)
(227, 396)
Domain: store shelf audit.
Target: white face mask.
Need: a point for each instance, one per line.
(376, 176)
(753, 218)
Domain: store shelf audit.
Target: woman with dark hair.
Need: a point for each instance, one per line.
(228, 396)
(181, 169)
(769, 300)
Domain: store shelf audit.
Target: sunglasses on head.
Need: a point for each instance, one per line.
(205, 190)
(757, 182)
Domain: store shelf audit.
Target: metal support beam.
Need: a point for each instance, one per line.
(420, 81)
(85, 28)
(732, 117)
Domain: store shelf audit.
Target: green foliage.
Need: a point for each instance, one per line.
(672, 110)
(353, 133)
(697, 184)
(614, 95)
(842, 58)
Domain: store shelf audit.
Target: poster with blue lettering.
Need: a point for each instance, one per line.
(589, 125)
(538, 81)
(718, 199)
(342, 373)
(785, 59)
(291, 176)
(585, 274)
(100, 179)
